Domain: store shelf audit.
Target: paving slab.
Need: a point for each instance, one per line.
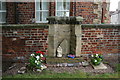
(101, 66)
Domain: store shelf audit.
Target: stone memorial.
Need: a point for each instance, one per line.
(61, 30)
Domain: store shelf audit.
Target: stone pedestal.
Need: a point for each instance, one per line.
(101, 66)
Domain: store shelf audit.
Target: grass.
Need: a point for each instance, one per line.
(77, 74)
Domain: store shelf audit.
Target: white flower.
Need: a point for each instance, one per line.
(43, 67)
(95, 61)
(32, 55)
(96, 55)
(36, 61)
(92, 55)
(38, 57)
(40, 60)
(41, 55)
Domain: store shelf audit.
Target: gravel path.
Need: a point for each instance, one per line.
(88, 69)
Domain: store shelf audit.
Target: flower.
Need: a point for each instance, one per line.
(32, 55)
(40, 52)
(95, 60)
(92, 55)
(38, 63)
(35, 61)
(96, 55)
(41, 55)
(38, 57)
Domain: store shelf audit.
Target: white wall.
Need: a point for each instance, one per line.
(114, 18)
(119, 12)
(119, 5)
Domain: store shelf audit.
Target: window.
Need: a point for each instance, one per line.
(41, 11)
(2, 12)
(62, 7)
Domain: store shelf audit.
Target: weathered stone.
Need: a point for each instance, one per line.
(43, 67)
(85, 63)
(78, 32)
(70, 65)
(23, 68)
(12, 66)
(64, 20)
(101, 66)
(39, 70)
(62, 34)
(65, 64)
(65, 46)
(63, 60)
(21, 72)
(59, 35)
(76, 64)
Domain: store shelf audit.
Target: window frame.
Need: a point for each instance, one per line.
(2, 11)
(37, 21)
(61, 10)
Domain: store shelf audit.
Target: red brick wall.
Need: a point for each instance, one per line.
(105, 40)
(20, 12)
(85, 10)
(25, 39)
(25, 12)
(10, 14)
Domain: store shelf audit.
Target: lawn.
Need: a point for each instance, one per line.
(77, 74)
(47, 74)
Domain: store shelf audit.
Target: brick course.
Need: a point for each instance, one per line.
(25, 40)
(20, 12)
(99, 39)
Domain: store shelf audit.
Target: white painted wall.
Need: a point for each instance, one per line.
(119, 12)
(119, 5)
(114, 18)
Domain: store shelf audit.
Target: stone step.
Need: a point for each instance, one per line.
(63, 60)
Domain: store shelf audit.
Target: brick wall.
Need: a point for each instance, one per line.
(10, 14)
(103, 38)
(25, 12)
(85, 9)
(24, 39)
(20, 12)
